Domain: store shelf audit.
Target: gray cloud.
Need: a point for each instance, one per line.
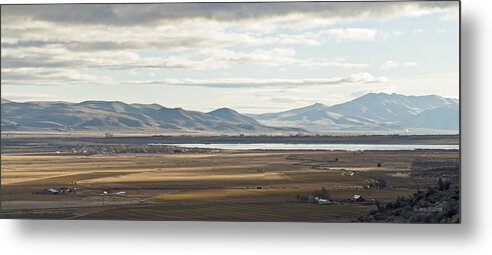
(69, 38)
(139, 14)
(36, 61)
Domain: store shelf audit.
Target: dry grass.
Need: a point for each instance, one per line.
(226, 194)
(212, 179)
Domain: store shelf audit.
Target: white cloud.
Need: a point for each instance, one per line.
(177, 26)
(110, 36)
(352, 34)
(409, 64)
(50, 77)
(389, 65)
(365, 78)
(57, 44)
(276, 57)
(63, 76)
(393, 64)
(359, 78)
(56, 56)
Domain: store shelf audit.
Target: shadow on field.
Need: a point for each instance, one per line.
(308, 232)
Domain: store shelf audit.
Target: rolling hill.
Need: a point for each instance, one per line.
(118, 116)
(373, 112)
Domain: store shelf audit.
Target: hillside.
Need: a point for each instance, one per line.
(119, 116)
(435, 205)
(372, 112)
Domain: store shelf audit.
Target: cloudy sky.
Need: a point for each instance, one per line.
(253, 57)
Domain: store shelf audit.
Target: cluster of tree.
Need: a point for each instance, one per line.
(124, 148)
(439, 204)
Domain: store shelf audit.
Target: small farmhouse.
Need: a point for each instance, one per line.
(359, 198)
(50, 191)
(324, 202)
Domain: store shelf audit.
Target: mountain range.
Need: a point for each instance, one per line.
(373, 112)
(119, 116)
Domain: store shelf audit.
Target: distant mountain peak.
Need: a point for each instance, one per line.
(378, 95)
(317, 105)
(101, 102)
(223, 112)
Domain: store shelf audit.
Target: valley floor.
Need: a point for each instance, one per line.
(220, 186)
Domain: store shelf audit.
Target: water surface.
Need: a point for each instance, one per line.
(298, 146)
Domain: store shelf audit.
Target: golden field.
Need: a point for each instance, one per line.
(227, 185)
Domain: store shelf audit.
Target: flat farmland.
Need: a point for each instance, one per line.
(266, 211)
(227, 185)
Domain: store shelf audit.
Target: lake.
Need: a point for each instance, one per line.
(297, 146)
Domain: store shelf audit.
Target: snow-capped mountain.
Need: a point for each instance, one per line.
(372, 112)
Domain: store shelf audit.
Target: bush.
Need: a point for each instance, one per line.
(435, 205)
(442, 185)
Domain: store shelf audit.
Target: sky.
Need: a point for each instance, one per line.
(252, 57)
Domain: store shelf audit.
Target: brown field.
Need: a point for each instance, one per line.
(223, 186)
(268, 211)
